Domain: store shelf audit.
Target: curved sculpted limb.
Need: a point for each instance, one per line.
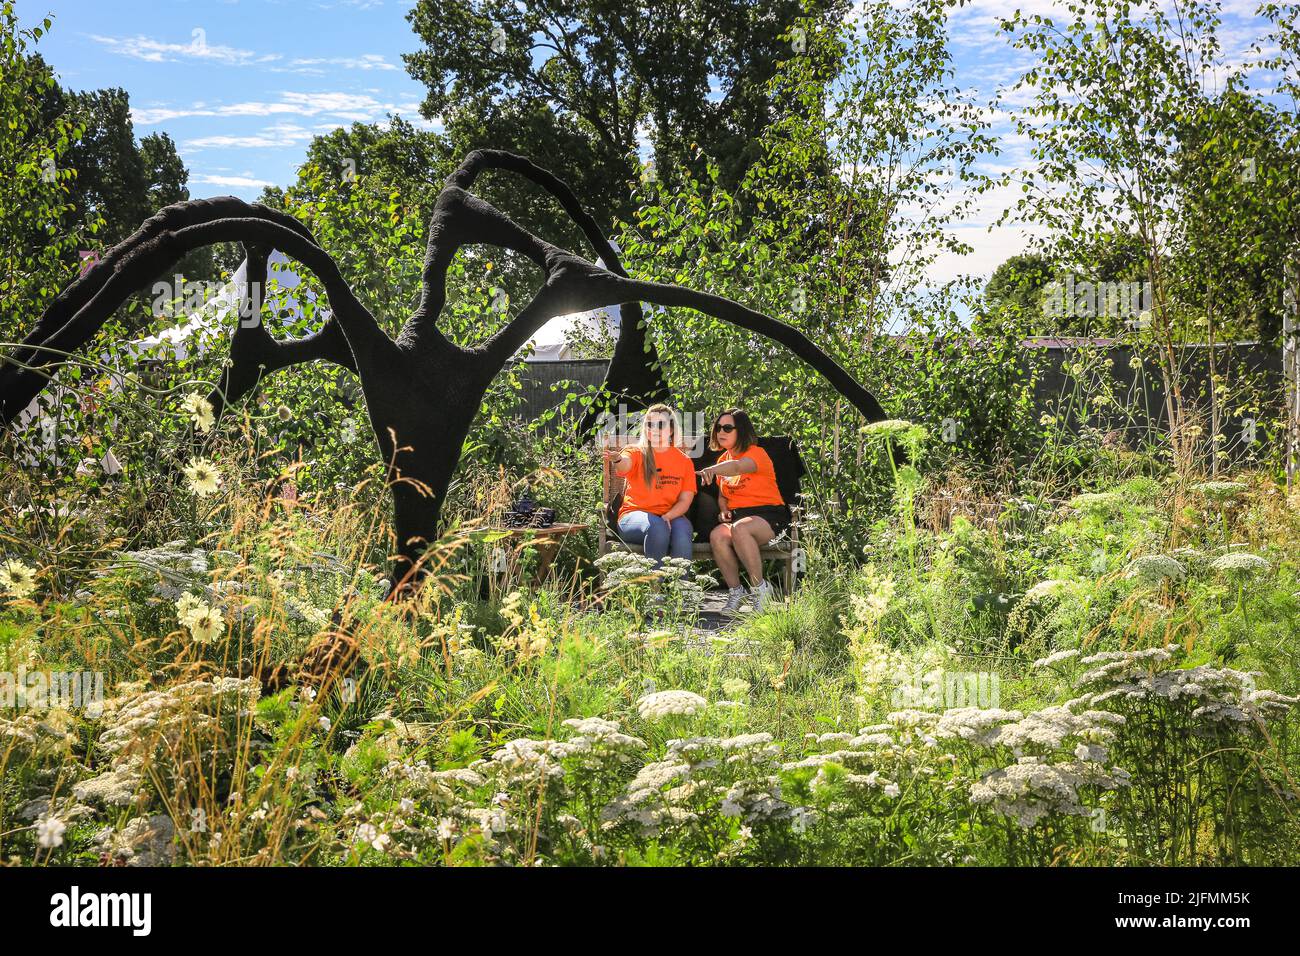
(255, 354)
(634, 371)
(125, 271)
(177, 216)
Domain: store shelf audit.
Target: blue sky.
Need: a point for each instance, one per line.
(243, 85)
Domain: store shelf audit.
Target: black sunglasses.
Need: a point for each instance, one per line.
(724, 428)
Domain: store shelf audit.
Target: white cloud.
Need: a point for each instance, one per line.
(345, 106)
(238, 182)
(160, 51)
(318, 65)
(271, 137)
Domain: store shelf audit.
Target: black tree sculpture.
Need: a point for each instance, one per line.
(422, 390)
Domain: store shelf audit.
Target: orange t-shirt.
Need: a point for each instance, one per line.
(758, 489)
(674, 474)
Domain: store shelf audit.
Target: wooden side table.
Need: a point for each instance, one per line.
(547, 541)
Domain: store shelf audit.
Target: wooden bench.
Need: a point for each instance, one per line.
(784, 549)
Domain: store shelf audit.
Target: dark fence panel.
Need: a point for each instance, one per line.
(545, 385)
(1139, 391)
(1140, 394)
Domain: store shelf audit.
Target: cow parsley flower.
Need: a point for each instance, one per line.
(1220, 490)
(735, 687)
(1046, 590)
(1155, 568)
(1240, 563)
(894, 428)
(662, 703)
(1097, 502)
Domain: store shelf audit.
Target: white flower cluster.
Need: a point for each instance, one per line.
(1047, 729)
(1049, 590)
(141, 728)
(983, 726)
(1218, 693)
(1097, 502)
(1220, 490)
(1052, 660)
(170, 570)
(1033, 788)
(699, 776)
(1153, 569)
(527, 762)
(601, 742)
(439, 786)
(619, 568)
(664, 703)
(1240, 564)
(623, 569)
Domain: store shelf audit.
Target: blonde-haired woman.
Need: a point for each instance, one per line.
(660, 485)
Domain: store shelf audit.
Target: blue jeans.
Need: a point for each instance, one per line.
(653, 532)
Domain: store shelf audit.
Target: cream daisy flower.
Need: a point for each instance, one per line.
(200, 411)
(17, 579)
(203, 476)
(206, 624)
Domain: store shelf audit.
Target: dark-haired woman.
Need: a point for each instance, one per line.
(752, 511)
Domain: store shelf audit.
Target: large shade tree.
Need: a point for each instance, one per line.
(422, 390)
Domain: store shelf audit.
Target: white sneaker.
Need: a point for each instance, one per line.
(761, 595)
(735, 597)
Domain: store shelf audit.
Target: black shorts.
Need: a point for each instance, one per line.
(778, 516)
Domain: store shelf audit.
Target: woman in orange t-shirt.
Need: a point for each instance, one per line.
(752, 510)
(660, 488)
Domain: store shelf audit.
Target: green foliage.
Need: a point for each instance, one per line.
(39, 233)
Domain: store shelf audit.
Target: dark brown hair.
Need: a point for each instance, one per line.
(746, 437)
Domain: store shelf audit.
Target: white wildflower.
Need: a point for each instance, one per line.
(662, 703)
(49, 831)
(199, 409)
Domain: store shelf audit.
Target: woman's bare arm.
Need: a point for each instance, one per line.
(680, 508)
(621, 459)
(728, 469)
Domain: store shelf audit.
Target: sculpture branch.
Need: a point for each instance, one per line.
(134, 263)
(255, 354)
(634, 372)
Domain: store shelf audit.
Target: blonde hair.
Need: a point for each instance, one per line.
(643, 444)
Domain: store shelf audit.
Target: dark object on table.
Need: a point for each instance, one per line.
(524, 513)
